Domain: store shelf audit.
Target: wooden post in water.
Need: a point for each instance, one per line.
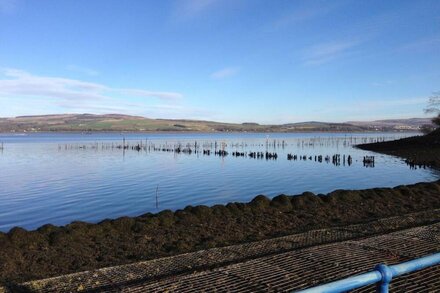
(157, 198)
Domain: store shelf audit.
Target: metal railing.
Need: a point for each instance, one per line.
(381, 275)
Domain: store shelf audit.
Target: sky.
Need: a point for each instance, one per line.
(271, 61)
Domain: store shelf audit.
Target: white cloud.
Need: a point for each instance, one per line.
(22, 93)
(20, 87)
(22, 83)
(225, 72)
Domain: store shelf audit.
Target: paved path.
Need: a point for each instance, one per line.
(277, 265)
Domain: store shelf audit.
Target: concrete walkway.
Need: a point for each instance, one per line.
(277, 265)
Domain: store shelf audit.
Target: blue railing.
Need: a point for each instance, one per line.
(382, 276)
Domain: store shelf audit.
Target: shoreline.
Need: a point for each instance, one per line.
(85, 132)
(258, 199)
(417, 150)
(79, 246)
(119, 122)
(55, 250)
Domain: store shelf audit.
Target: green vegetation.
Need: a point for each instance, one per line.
(116, 122)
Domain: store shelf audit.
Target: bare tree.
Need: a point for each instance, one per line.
(427, 128)
(434, 108)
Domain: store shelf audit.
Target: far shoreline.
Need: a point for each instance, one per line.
(203, 132)
(118, 122)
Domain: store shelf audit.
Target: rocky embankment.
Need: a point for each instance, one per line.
(51, 250)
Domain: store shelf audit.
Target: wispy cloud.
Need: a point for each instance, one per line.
(143, 93)
(380, 104)
(422, 45)
(191, 8)
(374, 109)
(347, 41)
(161, 111)
(179, 112)
(75, 94)
(225, 72)
(22, 83)
(309, 11)
(23, 93)
(82, 70)
(366, 107)
(8, 6)
(382, 83)
(326, 52)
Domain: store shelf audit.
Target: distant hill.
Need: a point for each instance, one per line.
(117, 122)
(398, 124)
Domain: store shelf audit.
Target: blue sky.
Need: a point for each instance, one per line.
(225, 60)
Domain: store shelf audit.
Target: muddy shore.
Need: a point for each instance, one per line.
(419, 150)
(51, 250)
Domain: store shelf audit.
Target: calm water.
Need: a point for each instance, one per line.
(58, 178)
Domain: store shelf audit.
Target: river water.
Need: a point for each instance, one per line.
(61, 177)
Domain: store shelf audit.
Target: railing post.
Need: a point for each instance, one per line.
(381, 276)
(387, 275)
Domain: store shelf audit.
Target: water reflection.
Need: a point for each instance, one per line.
(58, 178)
